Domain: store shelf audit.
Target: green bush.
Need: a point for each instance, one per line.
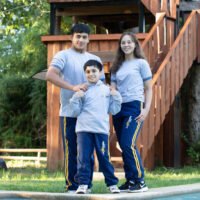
(194, 152)
(23, 113)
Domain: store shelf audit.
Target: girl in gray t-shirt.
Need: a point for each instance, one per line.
(131, 76)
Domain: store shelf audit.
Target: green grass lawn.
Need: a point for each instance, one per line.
(29, 178)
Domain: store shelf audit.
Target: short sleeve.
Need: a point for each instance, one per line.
(58, 61)
(145, 70)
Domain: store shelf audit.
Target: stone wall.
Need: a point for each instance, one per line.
(194, 103)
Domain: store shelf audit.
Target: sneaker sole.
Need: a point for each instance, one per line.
(141, 190)
(124, 191)
(88, 192)
(71, 192)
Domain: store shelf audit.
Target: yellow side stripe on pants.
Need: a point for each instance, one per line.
(66, 153)
(109, 148)
(134, 151)
(133, 144)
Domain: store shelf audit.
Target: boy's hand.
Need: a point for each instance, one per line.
(79, 87)
(80, 93)
(113, 91)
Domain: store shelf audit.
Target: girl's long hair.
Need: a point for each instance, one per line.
(120, 56)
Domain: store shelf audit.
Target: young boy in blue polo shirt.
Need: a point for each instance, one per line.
(92, 108)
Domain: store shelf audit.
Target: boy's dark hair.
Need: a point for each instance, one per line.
(94, 63)
(80, 28)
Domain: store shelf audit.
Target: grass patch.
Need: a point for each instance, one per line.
(30, 178)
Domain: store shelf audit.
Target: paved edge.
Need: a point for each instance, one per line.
(150, 194)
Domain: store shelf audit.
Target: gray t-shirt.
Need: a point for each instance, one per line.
(130, 79)
(70, 63)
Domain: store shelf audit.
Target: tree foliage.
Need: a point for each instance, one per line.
(18, 15)
(22, 99)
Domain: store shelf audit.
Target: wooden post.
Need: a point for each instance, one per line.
(141, 18)
(55, 21)
(52, 18)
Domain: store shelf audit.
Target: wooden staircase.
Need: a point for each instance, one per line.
(169, 77)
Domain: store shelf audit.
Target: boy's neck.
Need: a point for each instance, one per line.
(79, 50)
(93, 83)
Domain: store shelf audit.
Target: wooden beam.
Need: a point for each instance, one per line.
(97, 10)
(100, 37)
(23, 150)
(141, 20)
(35, 158)
(52, 19)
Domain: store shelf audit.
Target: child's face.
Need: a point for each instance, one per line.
(92, 74)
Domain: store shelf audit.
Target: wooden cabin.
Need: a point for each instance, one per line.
(170, 52)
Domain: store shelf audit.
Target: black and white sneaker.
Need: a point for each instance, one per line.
(138, 187)
(125, 187)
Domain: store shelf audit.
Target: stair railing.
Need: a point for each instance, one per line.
(169, 78)
(167, 6)
(156, 42)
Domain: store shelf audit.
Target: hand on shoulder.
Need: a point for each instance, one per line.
(113, 91)
(79, 87)
(80, 93)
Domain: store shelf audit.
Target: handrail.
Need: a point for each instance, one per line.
(22, 150)
(169, 54)
(38, 158)
(156, 42)
(169, 78)
(153, 30)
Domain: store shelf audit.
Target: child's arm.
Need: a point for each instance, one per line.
(76, 103)
(115, 101)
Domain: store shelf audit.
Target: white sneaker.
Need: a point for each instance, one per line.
(82, 189)
(114, 189)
